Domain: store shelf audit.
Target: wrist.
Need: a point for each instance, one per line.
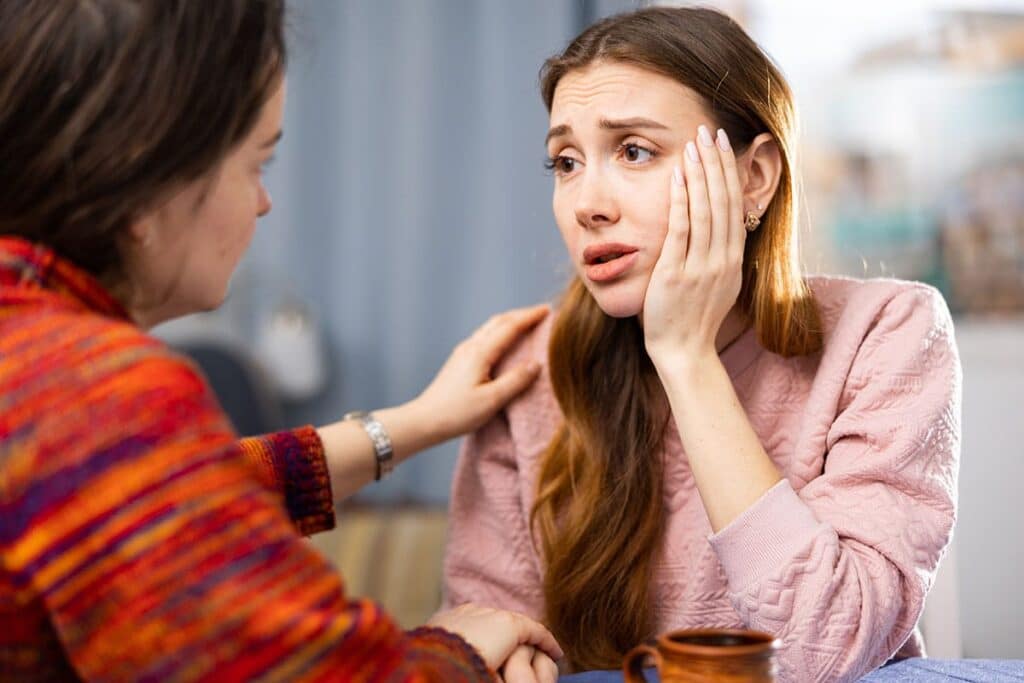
(683, 365)
(384, 451)
(423, 425)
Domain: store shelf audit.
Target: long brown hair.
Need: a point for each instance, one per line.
(107, 106)
(599, 509)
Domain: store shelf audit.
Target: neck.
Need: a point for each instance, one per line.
(734, 325)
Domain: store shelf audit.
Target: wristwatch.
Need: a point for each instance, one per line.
(381, 441)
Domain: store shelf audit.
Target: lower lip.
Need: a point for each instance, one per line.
(604, 272)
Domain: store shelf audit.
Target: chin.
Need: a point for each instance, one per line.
(211, 302)
(214, 304)
(623, 300)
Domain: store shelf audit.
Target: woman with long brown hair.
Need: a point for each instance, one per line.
(717, 439)
(140, 539)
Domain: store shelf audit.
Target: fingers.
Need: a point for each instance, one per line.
(498, 635)
(518, 668)
(700, 208)
(544, 668)
(678, 236)
(717, 193)
(512, 383)
(535, 634)
(500, 332)
(527, 664)
(737, 233)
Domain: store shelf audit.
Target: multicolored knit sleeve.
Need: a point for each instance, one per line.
(293, 463)
(135, 523)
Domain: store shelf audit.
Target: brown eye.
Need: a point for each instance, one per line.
(561, 165)
(635, 154)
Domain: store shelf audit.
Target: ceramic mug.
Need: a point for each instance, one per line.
(709, 654)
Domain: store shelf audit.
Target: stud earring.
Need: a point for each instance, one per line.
(751, 222)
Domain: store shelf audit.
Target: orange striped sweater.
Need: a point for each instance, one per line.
(140, 539)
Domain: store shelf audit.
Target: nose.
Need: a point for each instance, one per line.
(265, 202)
(595, 203)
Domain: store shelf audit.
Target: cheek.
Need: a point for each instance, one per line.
(650, 206)
(565, 218)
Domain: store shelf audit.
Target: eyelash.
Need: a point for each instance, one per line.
(551, 163)
(626, 145)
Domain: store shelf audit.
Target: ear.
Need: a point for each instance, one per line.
(761, 168)
(141, 231)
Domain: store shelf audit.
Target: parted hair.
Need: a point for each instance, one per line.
(599, 509)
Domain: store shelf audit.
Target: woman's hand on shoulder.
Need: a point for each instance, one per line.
(517, 645)
(463, 396)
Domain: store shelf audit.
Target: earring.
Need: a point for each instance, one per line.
(751, 222)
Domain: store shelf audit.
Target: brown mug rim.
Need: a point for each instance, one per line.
(665, 642)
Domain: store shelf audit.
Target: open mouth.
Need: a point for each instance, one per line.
(605, 253)
(609, 261)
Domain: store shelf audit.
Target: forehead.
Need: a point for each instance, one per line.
(271, 114)
(616, 90)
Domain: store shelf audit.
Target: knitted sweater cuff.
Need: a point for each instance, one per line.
(765, 536)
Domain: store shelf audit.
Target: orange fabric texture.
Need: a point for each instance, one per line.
(140, 539)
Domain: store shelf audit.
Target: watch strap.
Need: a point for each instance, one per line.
(383, 452)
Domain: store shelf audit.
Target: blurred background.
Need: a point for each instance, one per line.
(410, 203)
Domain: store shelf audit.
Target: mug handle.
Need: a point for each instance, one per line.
(632, 665)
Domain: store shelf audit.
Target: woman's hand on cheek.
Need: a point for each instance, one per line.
(697, 278)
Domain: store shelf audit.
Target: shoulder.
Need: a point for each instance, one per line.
(532, 347)
(90, 364)
(851, 304)
(87, 394)
(533, 415)
(839, 296)
(875, 322)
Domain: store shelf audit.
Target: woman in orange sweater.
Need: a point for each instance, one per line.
(139, 538)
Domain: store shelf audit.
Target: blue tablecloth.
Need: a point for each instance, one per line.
(908, 670)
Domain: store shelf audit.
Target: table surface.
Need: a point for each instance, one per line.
(916, 670)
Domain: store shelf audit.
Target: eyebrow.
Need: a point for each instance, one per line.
(609, 124)
(274, 140)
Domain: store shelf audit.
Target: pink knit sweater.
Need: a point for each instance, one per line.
(837, 558)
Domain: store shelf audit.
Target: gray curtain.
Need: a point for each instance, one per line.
(410, 200)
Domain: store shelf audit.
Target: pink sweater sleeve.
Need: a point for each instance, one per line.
(489, 556)
(839, 570)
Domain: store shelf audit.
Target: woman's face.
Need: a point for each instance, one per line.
(616, 133)
(192, 244)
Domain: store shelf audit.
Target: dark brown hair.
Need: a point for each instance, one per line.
(599, 509)
(108, 105)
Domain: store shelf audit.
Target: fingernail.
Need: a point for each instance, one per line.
(704, 136)
(677, 176)
(691, 151)
(723, 140)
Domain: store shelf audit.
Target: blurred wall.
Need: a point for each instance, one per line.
(990, 528)
(410, 200)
